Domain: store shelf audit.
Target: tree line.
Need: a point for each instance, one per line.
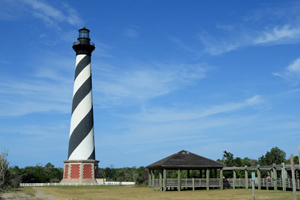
(131, 174)
(12, 176)
(276, 156)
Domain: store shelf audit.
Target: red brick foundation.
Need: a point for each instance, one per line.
(80, 171)
(87, 171)
(66, 171)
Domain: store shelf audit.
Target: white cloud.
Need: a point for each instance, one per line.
(285, 34)
(42, 10)
(257, 99)
(217, 47)
(72, 16)
(9, 9)
(286, 11)
(180, 125)
(282, 27)
(165, 115)
(292, 72)
(131, 33)
(294, 68)
(278, 35)
(31, 96)
(45, 10)
(49, 88)
(181, 44)
(131, 86)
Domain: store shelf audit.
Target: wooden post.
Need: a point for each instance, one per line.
(246, 177)
(253, 190)
(234, 179)
(221, 179)
(149, 179)
(207, 179)
(293, 176)
(213, 174)
(269, 176)
(179, 180)
(165, 180)
(275, 177)
(160, 180)
(269, 180)
(201, 175)
(188, 173)
(253, 185)
(283, 177)
(272, 174)
(193, 182)
(258, 178)
(152, 178)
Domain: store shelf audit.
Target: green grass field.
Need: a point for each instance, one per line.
(135, 192)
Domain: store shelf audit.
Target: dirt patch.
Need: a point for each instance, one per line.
(40, 194)
(21, 196)
(10, 195)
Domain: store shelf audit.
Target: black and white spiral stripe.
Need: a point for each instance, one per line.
(81, 141)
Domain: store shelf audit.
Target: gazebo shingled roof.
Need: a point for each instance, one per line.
(186, 160)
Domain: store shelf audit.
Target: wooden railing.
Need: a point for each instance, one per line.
(227, 183)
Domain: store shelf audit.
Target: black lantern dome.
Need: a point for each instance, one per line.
(83, 44)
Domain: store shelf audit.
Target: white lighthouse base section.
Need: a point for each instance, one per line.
(80, 171)
(85, 148)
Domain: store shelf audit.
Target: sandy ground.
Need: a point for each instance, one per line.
(39, 195)
(14, 196)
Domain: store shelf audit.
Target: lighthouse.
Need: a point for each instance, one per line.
(82, 166)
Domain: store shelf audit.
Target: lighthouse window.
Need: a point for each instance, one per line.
(83, 35)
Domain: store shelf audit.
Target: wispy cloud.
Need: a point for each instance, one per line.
(49, 88)
(184, 125)
(285, 31)
(257, 99)
(144, 82)
(294, 68)
(162, 115)
(269, 11)
(215, 46)
(278, 35)
(31, 96)
(285, 34)
(10, 10)
(291, 72)
(132, 33)
(71, 16)
(51, 16)
(181, 44)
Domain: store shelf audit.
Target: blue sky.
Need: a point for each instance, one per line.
(203, 76)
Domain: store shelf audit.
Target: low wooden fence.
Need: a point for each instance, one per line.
(227, 183)
(190, 182)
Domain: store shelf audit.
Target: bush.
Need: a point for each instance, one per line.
(15, 182)
(4, 173)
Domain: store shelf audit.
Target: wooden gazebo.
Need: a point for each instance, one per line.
(185, 160)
